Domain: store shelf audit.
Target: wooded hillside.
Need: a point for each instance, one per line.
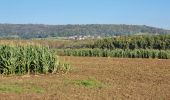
(43, 31)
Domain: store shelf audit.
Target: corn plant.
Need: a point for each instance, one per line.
(27, 60)
(127, 53)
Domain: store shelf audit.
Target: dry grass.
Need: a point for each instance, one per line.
(52, 43)
(122, 79)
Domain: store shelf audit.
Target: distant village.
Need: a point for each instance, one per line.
(81, 37)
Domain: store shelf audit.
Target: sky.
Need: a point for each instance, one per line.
(134, 12)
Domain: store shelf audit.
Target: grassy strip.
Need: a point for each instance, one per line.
(18, 89)
(88, 83)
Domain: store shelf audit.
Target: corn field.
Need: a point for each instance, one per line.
(127, 53)
(28, 60)
(161, 42)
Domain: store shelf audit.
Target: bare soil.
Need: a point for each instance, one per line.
(122, 79)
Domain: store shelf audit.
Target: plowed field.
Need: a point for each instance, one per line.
(93, 78)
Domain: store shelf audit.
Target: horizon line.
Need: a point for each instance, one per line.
(86, 24)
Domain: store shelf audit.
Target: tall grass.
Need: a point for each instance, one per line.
(127, 53)
(27, 60)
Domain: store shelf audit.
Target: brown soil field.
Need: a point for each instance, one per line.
(112, 79)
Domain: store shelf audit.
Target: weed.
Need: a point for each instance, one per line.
(90, 83)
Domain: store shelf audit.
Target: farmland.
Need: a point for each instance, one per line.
(125, 67)
(94, 78)
(84, 50)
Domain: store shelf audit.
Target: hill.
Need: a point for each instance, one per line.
(43, 31)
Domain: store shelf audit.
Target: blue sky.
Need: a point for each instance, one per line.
(141, 12)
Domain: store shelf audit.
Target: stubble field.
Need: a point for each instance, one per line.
(94, 78)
